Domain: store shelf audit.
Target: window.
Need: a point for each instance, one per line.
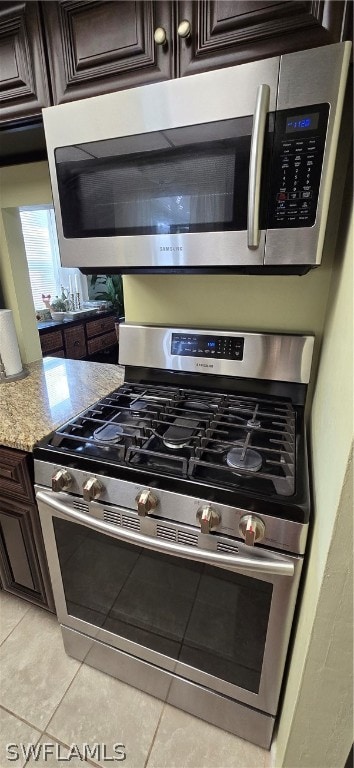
(42, 252)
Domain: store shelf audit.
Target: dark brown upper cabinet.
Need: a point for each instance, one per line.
(24, 87)
(233, 32)
(68, 50)
(99, 47)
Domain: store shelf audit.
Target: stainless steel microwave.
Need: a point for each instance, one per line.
(230, 169)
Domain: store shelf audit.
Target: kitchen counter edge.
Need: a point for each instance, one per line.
(55, 391)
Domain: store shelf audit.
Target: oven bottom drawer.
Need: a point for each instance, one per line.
(250, 724)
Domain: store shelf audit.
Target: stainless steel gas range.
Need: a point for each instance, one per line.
(175, 514)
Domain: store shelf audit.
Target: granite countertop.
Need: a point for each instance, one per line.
(55, 390)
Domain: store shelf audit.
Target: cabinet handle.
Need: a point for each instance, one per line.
(160, 36)
(76, 343)
(184, 29)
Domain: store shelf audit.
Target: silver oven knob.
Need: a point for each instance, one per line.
(208, 518)
(146, 502)
(252, 529)
(61, 481)
(92, 489)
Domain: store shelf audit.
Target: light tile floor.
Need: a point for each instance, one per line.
(48, 698)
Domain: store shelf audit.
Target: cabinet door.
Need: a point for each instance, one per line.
(75, 344)
(99, 47)
(51, 342)
(23, 75)
(15, 479)
(236, 31)
(23, 567)
(100, 343)
(103, 325)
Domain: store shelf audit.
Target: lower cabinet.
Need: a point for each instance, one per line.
(52, 343)
(75, 344)
(94, 340)
(100, 343)
(23, 564)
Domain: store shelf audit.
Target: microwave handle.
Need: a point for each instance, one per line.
(255, 167)
(252, 564)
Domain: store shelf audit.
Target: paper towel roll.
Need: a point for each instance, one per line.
(9, 351)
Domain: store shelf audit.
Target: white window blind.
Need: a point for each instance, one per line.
(41, 258)
(42, 252)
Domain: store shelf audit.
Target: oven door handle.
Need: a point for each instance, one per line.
(254, 564)
(255, 167)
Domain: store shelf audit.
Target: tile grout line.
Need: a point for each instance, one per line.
(155, 734)
(18, 717)
(41, 733)
(37, 742)
(63, 744)
(15, 627)
(64, 694)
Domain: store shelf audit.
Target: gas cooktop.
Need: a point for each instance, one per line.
(227, 441)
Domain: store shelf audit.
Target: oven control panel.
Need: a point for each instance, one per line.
(300, 137)
(202, 345)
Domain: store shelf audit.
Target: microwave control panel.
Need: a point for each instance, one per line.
(299, 142)
(200, 345)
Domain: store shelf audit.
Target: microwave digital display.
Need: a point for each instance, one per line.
(302, 122)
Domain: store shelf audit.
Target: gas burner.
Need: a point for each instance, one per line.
(176, 444)
(178, 435)
(109, 433)
(115, 433)
(138, 405)
(100, 450)
(131, 419)
(195, 404)
(244, 458)
(253, 423)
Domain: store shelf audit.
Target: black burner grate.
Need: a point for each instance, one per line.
(226, 440)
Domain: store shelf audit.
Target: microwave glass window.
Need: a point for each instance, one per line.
(188, 179)
(208, 618)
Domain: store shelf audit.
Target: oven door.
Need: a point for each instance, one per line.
(218, 615)
(169, 175)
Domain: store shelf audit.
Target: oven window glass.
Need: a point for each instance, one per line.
(188, 179)
(211, 619)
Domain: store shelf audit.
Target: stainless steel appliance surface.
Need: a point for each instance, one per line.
(175, 514)
(225, 170)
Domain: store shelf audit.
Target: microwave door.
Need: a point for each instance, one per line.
(201, 180)
(185, 186)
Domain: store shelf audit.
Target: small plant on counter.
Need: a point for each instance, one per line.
(59, 304)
